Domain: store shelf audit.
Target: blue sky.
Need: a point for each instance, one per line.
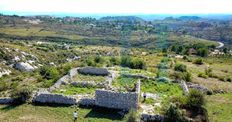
(118, 6)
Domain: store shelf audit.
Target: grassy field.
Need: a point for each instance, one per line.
(80, 77)
(25, 113)
(219, 107)
(72, 90)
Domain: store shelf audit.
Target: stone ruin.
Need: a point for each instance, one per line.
(118, 100)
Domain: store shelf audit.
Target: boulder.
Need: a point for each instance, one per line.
(24, 67)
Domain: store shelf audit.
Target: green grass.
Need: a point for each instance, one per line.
(149, 101)
(31, 113)
(124, 81)
(72, 90)
(163, 89)
(219, 107)
(80, 77)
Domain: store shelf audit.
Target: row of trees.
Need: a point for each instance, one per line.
(125, 61)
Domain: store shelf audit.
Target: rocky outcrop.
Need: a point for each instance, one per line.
(24, 67)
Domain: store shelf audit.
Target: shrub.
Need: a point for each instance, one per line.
(132, 116)
(173, 114)
(198, 61)
(221, 78)
(49, 73)
(21, 94)
(115, 61)
(228, 79)
(99, 59)
(195, 98)
(209, 72)
(180, 67)
(162, 66)
(134, 63)
(3, 86)
(203, 52)
(186, 76)
(90, 62)
(187, 58)
(203, 75)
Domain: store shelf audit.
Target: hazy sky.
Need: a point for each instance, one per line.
(118, 6)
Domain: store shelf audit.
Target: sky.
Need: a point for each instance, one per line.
(117, 6)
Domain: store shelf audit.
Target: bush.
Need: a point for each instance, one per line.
(162, 66)
(203, 52)
(115, 61)
(49, 73)
(228, 79)
(195, 98)
(186, 76)
(21, 94)
(132, 116)
(90, 62)
(180, 67)
(173, 114)
(203, 75)
(198, 61)
(99, 59)
(134, 63)
(4, 86)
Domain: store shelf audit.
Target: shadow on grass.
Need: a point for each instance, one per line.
(100, 112)
(51, 105)
(10, 107)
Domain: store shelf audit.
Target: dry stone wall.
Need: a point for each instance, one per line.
(6, 100)
(46, 97)
(118, 100)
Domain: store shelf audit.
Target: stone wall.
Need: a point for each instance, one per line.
(64, 80)
(118, 100)
(138, 76)
(151, 118)
(90, 84)
(6, 100)
(46, 97)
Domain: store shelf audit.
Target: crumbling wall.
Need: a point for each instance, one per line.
(118, 100)
(53, 98)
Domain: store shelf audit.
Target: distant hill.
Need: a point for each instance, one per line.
(122, 18)
(187, 18)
